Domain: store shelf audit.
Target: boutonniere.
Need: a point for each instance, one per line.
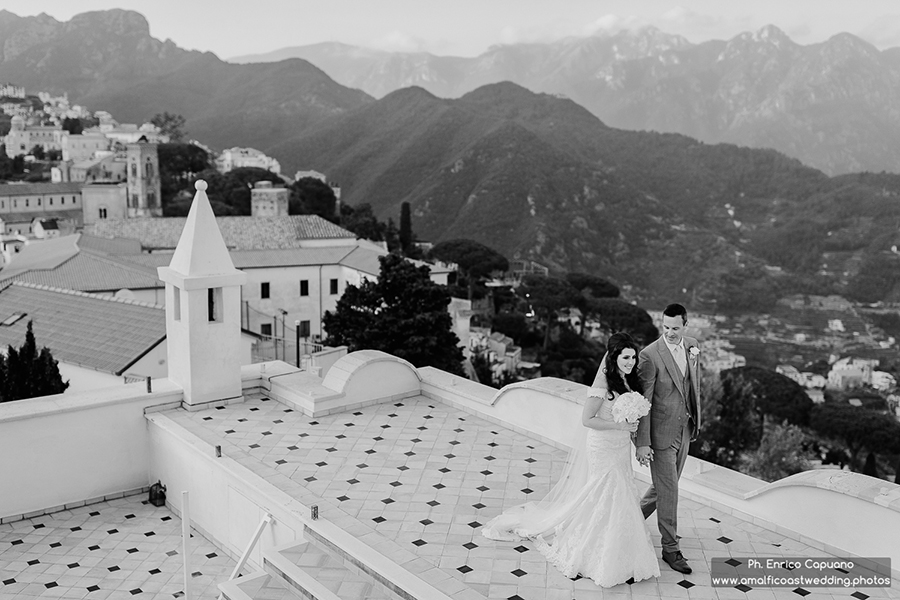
(694, 351)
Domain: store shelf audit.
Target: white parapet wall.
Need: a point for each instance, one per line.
(70, 449)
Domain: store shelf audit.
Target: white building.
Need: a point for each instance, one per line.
(8, 90)
(235, 158)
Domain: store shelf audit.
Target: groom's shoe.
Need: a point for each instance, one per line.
(677, 562)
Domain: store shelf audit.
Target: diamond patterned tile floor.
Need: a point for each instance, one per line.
(427, 476)
(125, 548)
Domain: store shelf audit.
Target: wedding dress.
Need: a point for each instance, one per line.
(592, 514)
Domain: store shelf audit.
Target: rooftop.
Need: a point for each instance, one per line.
(240, 233)
(30, 189)
(402, 487)
(102, 333)
(83, 263)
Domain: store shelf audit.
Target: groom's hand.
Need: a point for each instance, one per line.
(644, 454)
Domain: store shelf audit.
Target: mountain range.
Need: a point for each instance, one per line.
(833, 105)
(539, 177)
(533, 175)
(108, 60)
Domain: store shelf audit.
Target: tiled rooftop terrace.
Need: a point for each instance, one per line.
(124, 548)
(417, 478)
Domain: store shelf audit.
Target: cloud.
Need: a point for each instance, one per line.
(399, 41)
(614, 23)
(883, 32)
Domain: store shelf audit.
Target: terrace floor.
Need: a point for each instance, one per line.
(124, 548)
(418, 478)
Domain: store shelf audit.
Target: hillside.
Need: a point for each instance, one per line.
(107, 60)
(537, 176)
(831, 105)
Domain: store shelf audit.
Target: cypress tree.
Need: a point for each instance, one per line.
(27, 373)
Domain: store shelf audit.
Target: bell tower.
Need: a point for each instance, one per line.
(203, 317)
(143, 187)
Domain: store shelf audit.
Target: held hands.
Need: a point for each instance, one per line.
(644, 455)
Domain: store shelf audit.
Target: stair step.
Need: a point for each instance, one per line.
(317, 575)
(256, 586)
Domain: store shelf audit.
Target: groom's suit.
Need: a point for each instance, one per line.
(673, 421)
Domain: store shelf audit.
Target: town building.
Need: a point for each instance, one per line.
(113, 186)
(850, 372)
(236, 158)
(269, 201)
(22, 138)
(373, 478)
(9, 90)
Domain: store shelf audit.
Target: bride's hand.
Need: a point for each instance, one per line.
(629, 427)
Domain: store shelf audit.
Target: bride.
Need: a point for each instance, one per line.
(592, 514)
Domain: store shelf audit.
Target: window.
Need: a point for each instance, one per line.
(304, 287)
(304, 329)
(151, 200)
(176, 300)
(51, 200)
(266, 329)
(103, 213)
(264, 289)
(62, 200)
(10, 320)
(39, 201)
(333, 287)
(26, 202)
(15, 203)
(214, 305)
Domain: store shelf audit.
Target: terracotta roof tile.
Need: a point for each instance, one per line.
(106, 334)
(241, 233)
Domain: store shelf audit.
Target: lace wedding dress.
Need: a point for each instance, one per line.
(597, 530)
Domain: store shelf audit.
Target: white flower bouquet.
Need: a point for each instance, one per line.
(630, 407)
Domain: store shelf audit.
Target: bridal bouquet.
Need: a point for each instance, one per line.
(630, 407)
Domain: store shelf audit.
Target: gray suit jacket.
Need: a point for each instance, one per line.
(670, 399)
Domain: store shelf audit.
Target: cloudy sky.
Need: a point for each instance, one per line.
(468, 27)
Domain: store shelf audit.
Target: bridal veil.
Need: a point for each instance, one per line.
(540, 518)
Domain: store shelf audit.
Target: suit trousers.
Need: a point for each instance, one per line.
(662, 495)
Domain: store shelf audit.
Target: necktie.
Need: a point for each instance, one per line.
(679, 359)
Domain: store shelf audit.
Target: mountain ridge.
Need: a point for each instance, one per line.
(108, 60)
(758, 89)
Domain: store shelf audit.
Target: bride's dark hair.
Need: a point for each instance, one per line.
(614, 347)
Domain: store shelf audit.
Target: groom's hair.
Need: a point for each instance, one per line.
(676, 310)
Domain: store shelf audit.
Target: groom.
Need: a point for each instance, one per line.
(668, 371)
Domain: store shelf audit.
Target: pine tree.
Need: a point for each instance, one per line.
(404, 313)
(27, 373)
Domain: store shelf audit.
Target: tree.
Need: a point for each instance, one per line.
(312, 196)
(619, 316)
(512, 324)
(406, 233)
(179, 164)
(547, 295)
(73, 125)
(731, 423)
(38, 152)
(27, 373)
(475, 261)
(361, 221)
(773, 394)
(779, 455)
(403, 313)
(595, 286)
(857, 428)
(171, 125)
